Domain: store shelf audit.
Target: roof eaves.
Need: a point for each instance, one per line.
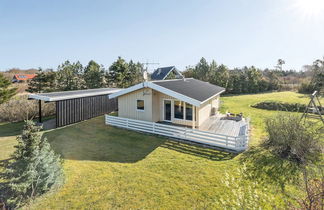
(157, 88)
(39, 97)
(212, 97)
(60, 98)
(128, 90)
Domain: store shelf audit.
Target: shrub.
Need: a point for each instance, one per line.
(34, 168)
(20, 108)
(290, 147)
(306, 88)
(292, 140)
(312, 185)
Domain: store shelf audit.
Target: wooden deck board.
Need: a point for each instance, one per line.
(219, 125)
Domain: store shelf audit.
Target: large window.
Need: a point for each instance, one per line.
(188, 111)
(140, 105)
(178, 110)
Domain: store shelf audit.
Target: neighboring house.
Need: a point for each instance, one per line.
(187, 102)
(23, 77)
(163, 73)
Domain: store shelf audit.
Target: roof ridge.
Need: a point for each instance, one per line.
(167, 80)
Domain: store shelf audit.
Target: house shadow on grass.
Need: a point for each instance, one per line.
(94, 141)
(101, 143)
(216, 154)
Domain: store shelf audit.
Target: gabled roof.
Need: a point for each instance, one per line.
(64, 95)
(190, 90)
(24, 76)
(162, 73)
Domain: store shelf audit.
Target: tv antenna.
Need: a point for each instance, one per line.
(146, 64)
(145, 71)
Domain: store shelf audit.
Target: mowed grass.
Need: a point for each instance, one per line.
(242, 103)
(107, 167)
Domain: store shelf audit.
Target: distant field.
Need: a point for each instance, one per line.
(110, 168)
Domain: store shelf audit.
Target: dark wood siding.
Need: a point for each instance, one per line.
(79, 109)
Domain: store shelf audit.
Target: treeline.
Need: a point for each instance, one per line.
(316, 81)
(237, 81)
(254, 80)
(74, 76)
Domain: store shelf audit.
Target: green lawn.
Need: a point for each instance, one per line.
(106, 167)
(242, 103)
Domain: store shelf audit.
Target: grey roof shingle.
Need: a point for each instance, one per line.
(161, 73)
(192, 88)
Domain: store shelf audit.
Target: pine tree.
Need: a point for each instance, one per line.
(35, 168)
(5, 91)
(69, 76)
(94, 75)
(219, 74)
(202, 70)
(119, 75)
(135, 72)
(43, 82)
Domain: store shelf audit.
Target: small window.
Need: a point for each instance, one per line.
(140, 105)
(188, 111)
(178, 110)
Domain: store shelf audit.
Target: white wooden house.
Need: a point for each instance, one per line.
(179, 108)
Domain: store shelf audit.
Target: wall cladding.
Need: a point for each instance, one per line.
(79, 109)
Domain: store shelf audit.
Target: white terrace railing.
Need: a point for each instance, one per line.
(237, 143)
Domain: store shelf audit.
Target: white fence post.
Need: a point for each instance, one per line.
(153, 127)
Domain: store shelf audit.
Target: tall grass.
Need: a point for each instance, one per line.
(20, 108)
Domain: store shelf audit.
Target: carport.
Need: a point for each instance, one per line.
(78, 105)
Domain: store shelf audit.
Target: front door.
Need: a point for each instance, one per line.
(167, 110)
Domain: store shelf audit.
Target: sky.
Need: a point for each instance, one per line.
(237, 33)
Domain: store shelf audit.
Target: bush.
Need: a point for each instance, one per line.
(290, 147)
(20, 108)
(292, 140)
(306, 88)
(279, 106)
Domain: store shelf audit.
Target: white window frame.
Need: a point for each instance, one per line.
(171, 100)
(172, 111)
(140, 110)
(185, 109)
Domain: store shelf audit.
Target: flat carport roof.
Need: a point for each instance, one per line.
(64, 95)
(88, 108)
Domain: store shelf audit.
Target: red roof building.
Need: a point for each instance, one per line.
(22, 77)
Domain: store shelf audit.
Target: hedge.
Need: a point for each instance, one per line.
(280, 106)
